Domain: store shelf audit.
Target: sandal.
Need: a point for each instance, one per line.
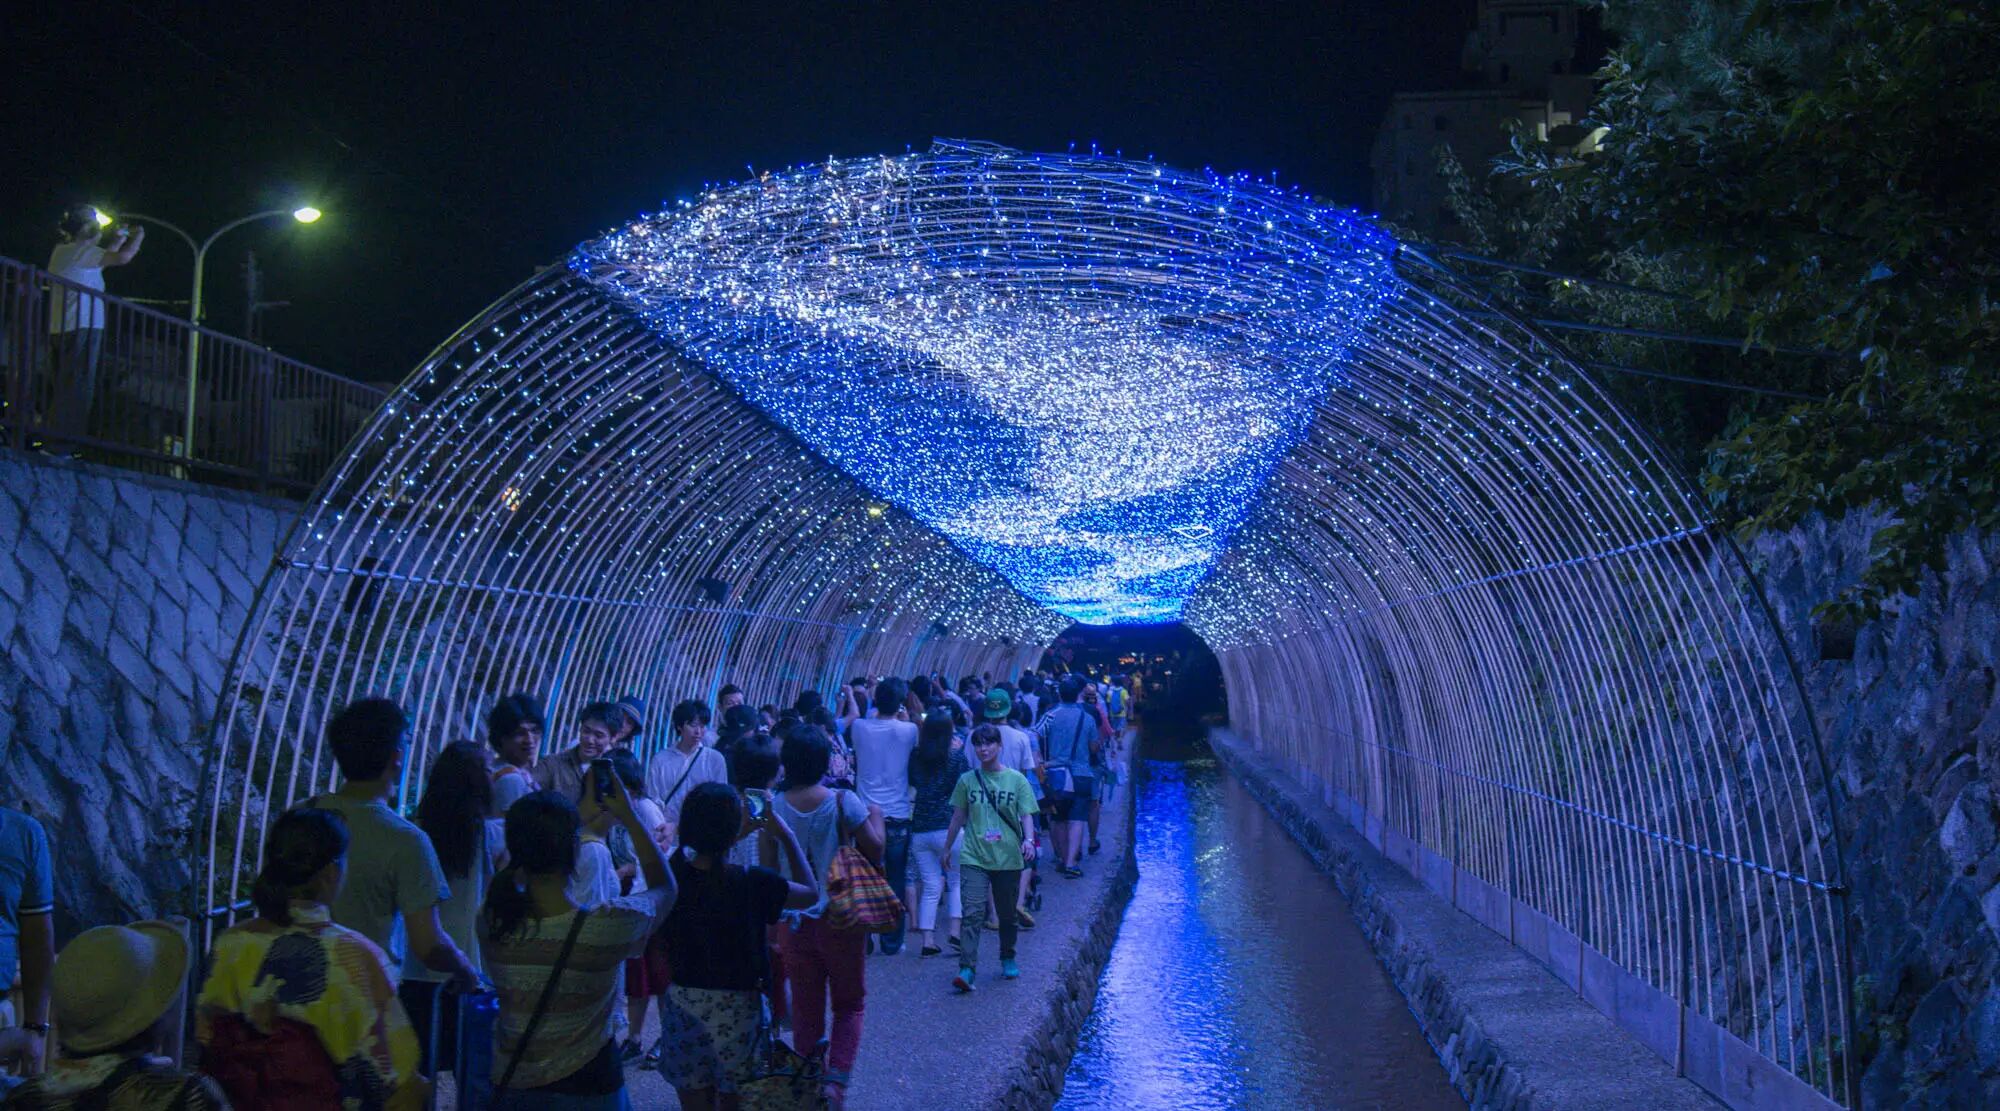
(930, 951)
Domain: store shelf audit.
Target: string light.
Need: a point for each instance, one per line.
(1079, 369)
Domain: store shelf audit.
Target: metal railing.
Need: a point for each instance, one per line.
(86, 373)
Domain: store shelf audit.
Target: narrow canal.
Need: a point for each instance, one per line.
(1239, 978)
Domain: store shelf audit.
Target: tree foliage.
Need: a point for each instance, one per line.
(1813, 175)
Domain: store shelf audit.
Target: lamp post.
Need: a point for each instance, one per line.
(304, 215)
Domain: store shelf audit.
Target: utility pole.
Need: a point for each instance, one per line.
(253, 299)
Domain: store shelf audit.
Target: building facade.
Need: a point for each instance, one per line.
(1525, 55)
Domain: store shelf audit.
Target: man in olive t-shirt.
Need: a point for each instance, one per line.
(394, 883)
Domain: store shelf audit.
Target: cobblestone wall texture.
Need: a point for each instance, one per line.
(121, 597)
(1908, 707)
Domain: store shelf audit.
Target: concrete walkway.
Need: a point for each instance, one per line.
(1007, 1044)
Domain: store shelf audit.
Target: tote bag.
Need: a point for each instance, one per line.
(858, 898)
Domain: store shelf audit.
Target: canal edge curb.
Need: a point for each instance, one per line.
(1483, 1005)
(1035, 1081)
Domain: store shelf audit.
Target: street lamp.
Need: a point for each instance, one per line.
(304, 215)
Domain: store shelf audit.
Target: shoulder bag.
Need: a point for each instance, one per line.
(993, 800)
(541, 1007)
(857, 896)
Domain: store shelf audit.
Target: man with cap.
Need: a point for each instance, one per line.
(1017, 751)
(116, 990)
(634, 709)
(1017, 748)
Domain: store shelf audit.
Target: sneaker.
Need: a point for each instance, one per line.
(1009, 970)
(962, 982)
(1023, 919)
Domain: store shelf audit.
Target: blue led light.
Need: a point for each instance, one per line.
(1079, 369)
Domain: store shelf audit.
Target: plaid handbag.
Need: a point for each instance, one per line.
(857, 896)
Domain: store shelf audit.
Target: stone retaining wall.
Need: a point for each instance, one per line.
(121, 598)
(1509, 1034)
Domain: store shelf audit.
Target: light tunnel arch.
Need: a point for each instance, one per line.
(1470, 602)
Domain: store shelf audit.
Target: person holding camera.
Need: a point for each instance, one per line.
(76, 317)
(557, 964)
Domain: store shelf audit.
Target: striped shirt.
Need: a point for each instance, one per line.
(581, 1014)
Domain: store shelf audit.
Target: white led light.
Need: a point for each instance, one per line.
(1081, 380)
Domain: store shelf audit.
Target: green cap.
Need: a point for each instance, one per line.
(998, 705)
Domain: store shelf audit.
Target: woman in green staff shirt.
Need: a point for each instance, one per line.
(995, 807)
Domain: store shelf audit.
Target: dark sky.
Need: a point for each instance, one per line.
(455, 149)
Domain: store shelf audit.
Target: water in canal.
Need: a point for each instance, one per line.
(1240, 979)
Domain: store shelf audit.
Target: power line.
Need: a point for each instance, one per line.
(1712, 383)
(1602, 283)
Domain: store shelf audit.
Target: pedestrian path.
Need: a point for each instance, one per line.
(924, 1046)
(918, 1036)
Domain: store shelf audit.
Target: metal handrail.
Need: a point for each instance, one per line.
(113, 387)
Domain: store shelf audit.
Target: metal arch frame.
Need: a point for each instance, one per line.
(1405, 617)
(399, 579)
(1550, 669)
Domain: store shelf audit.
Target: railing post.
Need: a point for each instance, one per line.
(22, 322)
(266, 375)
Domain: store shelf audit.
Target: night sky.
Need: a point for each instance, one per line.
(455, 150)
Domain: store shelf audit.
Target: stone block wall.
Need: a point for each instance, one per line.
(1908, 709)
(121, 598)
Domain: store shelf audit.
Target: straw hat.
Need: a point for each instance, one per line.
(112, 982)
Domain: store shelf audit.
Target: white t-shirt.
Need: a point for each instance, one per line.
(669, 765)
(459, 913)
(509, 784)
(882, 750)
(80, 261)
(652, 817)
(1017, 751)
(595, 880)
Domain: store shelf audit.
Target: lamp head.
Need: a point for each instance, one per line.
(306, 214)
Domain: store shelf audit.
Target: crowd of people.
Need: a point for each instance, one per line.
(521, 926)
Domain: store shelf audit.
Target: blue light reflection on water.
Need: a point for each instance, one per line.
(1239, 979)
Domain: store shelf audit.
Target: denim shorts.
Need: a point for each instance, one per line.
(1070, 804)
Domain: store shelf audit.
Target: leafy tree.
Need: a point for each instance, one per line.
(1810, 174)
